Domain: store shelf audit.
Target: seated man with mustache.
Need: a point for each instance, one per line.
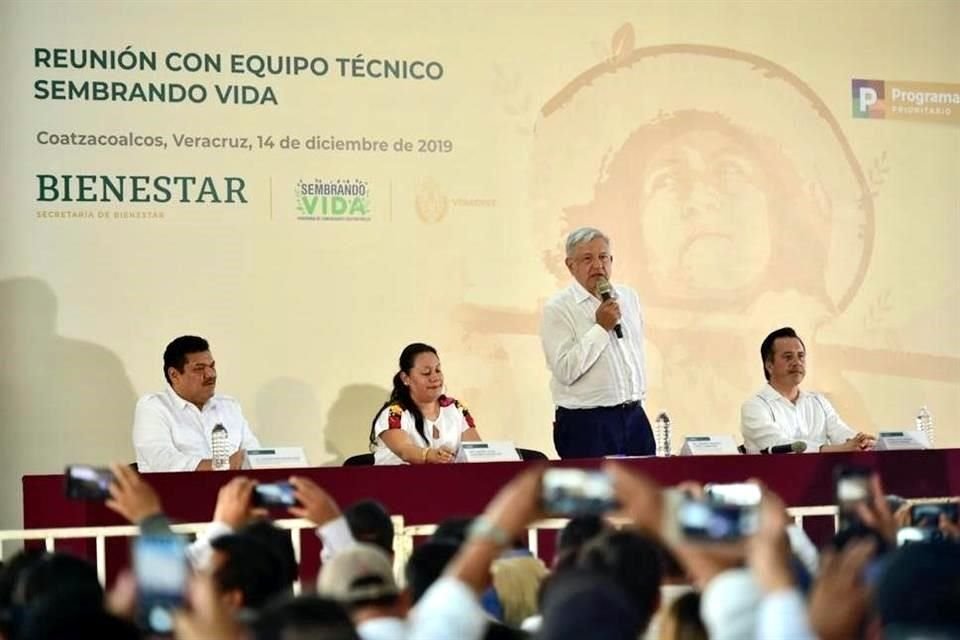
(172, 429)
(780, 413)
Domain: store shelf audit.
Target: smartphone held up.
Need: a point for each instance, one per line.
(277, 494)
(725, 513)
(569, 492)
(84, 482)
(161, 569)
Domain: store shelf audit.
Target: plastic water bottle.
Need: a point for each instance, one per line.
(220, 447)
(925, 423)
(661, 434)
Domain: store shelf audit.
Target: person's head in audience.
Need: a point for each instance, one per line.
(681, 620)
(918, 594)
(426, 565)
(247, 573)
(11, 588)
(369, 522)
(516, 582)
(14, 570)
(62, 574)
(428, 561)
(279, 544)
(304, 618)
(52, 595)
(573, 536)
(11, 576)
(59, 616)
(453, 529)
(585, 604)
(419, 381)
(673, 571)
(361, 579)
(190, 370)
(633, 562)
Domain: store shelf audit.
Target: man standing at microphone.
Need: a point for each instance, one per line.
(592, 334)
(781, 414)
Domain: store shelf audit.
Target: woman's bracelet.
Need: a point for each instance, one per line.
(426, 452)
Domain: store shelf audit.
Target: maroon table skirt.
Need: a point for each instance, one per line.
(430, 493)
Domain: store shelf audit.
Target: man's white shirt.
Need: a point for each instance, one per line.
(592, 367)
(768, 419)
(172, 434)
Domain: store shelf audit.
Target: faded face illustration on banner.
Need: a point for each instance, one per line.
(735, 205)
(701, 199)
(734, 211)
(715, 215)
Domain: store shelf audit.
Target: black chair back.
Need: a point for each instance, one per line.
(531, 454)
(359, 460)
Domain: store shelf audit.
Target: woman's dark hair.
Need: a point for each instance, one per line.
(401, 393)
(685, 612)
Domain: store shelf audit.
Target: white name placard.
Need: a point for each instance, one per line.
(901, 440)
(709, 446)
(502, 451)
(276, 458)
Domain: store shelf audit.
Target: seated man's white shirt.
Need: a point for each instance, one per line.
(171, 434)
(591, 367)
(769, 419)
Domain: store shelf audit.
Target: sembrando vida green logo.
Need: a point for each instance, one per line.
(341, 199)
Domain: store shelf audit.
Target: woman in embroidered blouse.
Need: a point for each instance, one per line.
(419, 424)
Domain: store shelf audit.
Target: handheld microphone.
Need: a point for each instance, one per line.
(604, 291)
(793, 447)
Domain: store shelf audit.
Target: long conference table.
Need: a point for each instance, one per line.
(427, 494)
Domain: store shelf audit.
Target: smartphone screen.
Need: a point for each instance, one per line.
(276, 494)
(84, 482)
(927, 514)
(743, 494)
(576, 492)
(711, 520)
(852, 487)
(161, 569)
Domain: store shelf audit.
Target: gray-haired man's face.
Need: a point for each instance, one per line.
(590, 262)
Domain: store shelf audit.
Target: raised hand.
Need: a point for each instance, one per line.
(131, 496)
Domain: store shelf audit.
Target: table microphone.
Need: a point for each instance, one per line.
(793, 447)
(603, 290)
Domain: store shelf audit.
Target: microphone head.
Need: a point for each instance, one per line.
(798, 447)
(603, 286)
